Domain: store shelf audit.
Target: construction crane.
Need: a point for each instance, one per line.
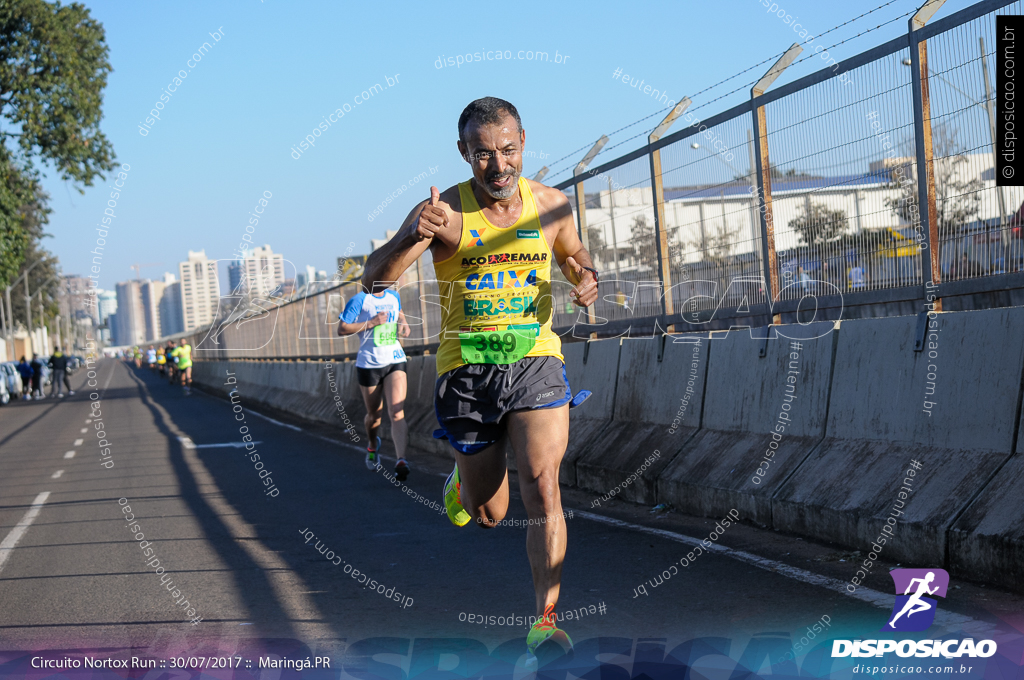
(138, 267)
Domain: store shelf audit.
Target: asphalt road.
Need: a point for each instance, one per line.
(77, 576)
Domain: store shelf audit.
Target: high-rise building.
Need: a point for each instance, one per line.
(200, 290)
(161, 301)
(170, 307)
(304, 278)
(151, 292)
(109, 334)
(263, 270)
(235, 274)
(106, 305)
(130, 328)
(79, 303)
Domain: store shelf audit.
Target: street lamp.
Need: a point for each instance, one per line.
(9, 319)
(28, 300)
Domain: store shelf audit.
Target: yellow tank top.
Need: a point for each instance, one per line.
(497, 290)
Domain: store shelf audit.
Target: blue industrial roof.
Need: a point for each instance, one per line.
(779, 185)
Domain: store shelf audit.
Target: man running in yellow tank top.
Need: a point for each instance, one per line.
(501, 377)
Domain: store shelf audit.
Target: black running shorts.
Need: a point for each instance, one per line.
(371, 377)
(471, 401)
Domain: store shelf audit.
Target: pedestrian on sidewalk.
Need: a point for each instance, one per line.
(37, 377)
(26, 378)
(59, 364)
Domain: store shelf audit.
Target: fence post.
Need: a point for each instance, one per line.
(291, 333)
(658, 194)
(769, 268)
(581, 205)
(321, 296)
(927, 209)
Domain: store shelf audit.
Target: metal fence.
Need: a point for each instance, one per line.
(812, 188)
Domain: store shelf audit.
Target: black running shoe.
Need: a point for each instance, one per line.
(401, 470)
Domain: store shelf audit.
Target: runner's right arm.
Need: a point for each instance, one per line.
(352, 328)
(386, 264)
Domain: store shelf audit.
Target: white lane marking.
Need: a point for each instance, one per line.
(276, 422)
(872, 597)
(78, 442)
(56, 474)
(7, 546)
(84, 430)
(189, 444)
(87, 421)
(69, 454)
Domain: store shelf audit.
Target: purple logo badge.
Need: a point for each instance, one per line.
(913, 611)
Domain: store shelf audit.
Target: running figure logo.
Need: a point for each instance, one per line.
(915, 612)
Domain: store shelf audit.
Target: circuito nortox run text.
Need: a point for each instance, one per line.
(327, 120)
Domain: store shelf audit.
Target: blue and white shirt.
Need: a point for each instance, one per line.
(378, 346)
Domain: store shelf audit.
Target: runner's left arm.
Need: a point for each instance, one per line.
(403, 326)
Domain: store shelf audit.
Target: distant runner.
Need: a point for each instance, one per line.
(172, 362)
(380, 366)
(501, 374)
(183, 355)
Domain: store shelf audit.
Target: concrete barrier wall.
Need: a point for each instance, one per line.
(880, 420)
(859, 415)
(657, 408)
(589, 366)
(762, 416)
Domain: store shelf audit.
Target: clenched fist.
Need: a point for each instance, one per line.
(584, 293)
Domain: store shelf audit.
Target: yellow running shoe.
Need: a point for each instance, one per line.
(452, 500)
(545, 630)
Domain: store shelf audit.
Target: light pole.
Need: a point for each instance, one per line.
(28, 301)
(9, 320)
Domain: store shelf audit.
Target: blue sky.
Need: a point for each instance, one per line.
(225, 135)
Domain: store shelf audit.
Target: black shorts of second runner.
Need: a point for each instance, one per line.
(371, 377)
(471, 401)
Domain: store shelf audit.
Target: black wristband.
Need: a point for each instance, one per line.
(594, 272)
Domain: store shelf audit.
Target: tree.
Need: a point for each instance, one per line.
(53, 69)
(599, 250)
(645, 247)
(957, 196)
(822, 225)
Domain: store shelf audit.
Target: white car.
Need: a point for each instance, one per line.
(9, 373)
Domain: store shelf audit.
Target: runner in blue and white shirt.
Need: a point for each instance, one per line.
(380, 366)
